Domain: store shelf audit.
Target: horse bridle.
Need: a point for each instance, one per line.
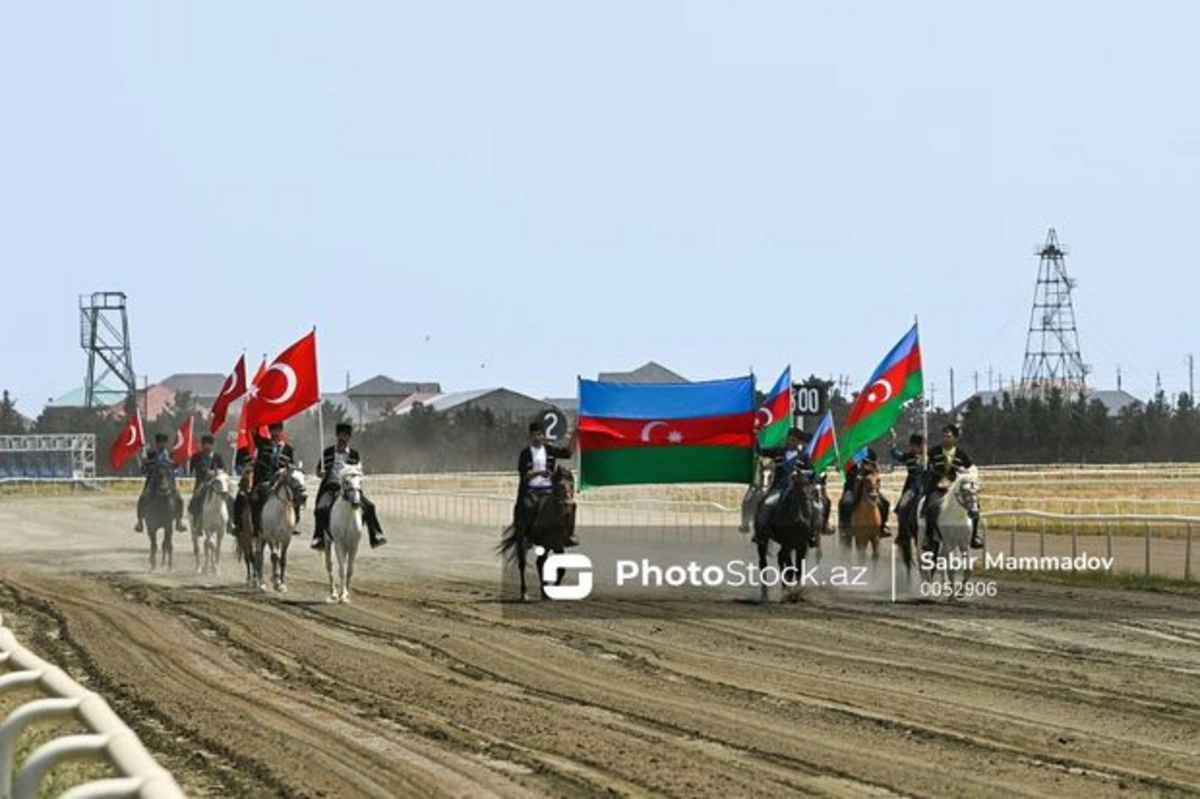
(967, 499)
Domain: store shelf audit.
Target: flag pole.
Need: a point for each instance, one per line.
(320, 415)
(837, 452)
(924, 405)
(578, 442)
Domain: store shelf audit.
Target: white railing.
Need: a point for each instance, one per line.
(1076, 521)
(109, 737)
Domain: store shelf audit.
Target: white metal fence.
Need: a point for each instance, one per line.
(108, 738)
(1018, 507)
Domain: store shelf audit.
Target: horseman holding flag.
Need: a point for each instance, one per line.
(159, 457)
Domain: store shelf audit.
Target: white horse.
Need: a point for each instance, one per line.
(954, 522)
(279, 522)
(212, 522)
(346, 531)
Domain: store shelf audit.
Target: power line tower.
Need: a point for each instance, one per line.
(1052, 356)
(104, 334)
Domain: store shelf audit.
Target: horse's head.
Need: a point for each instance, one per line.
(563, 482)
(221, 483)
(351, 480)
(801, 497)
(160, 478)
(966, 489)
(869, 481)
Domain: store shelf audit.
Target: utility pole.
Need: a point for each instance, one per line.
(952, 405)
(932, 396)
(990, 385)
(1118, 377)
(1191, 378)
(976, 381)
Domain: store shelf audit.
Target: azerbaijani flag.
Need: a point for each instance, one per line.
(822, 447)
(775, 415)
(632, 433)
(896, 381)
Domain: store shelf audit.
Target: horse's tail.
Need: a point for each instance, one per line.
(510, 540)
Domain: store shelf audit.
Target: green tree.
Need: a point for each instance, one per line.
(11, 422)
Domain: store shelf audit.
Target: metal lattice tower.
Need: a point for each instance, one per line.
(104, 334)
(1052, 356)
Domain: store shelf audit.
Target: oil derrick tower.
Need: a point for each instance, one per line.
(1052, 356)
(104, 335)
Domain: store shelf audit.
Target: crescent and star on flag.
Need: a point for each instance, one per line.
(673, 436)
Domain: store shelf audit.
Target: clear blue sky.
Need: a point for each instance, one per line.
(559, 188)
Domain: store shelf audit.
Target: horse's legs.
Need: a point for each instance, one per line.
(283, 566)
(521, 563)
(153, 549)
(349, 575)
(333, 591)
(169, 546)
(541, 561)
(197, 533)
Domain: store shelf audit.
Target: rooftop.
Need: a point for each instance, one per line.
(649, 372)
(384, 386)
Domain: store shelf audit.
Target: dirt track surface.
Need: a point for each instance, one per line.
(425, 686)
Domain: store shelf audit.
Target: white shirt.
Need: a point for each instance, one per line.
(339, 462)
(539, 464)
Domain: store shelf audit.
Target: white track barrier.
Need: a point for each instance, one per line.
(109, 738)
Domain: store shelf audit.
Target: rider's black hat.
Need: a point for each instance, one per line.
(206, 439)
(344, 427)
(953, 430)
(870, 457)
(536, 427)
(916, 438)
(161, 438)
(275, 426)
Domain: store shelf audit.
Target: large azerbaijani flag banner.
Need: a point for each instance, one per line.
(636, 433)
(896, 381)
(775, 415)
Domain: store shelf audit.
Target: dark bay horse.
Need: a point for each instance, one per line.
(549, 530)
(791, 525)
(249, 543)
(159, 514)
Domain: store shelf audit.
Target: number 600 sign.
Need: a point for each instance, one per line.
(808, 400)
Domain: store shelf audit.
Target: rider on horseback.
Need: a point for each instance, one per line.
(846, 503)
(273, 454)
(913, 461)
(535, 465)
(792, 456)
(945, 462)
(333, 460)
(204, 466)
(155, 458)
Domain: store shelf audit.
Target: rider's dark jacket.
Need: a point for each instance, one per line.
(325, 469)
(914, 470)
(942, 468)
(525, 463)
(200, 465)
(270, 458)
(783, 464)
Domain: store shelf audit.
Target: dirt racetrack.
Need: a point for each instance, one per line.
(425, 686)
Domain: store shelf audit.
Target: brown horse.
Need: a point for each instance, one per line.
(548, 531)
(249, 543)
(865, 518)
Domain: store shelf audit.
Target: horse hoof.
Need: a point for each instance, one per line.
(524, 597)
(282, 589)
(331, 599)
(345, 599)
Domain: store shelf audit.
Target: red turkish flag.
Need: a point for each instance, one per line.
(288, 387)
(244, 439)
(234, 387)
(185, 444)
(131, 440)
